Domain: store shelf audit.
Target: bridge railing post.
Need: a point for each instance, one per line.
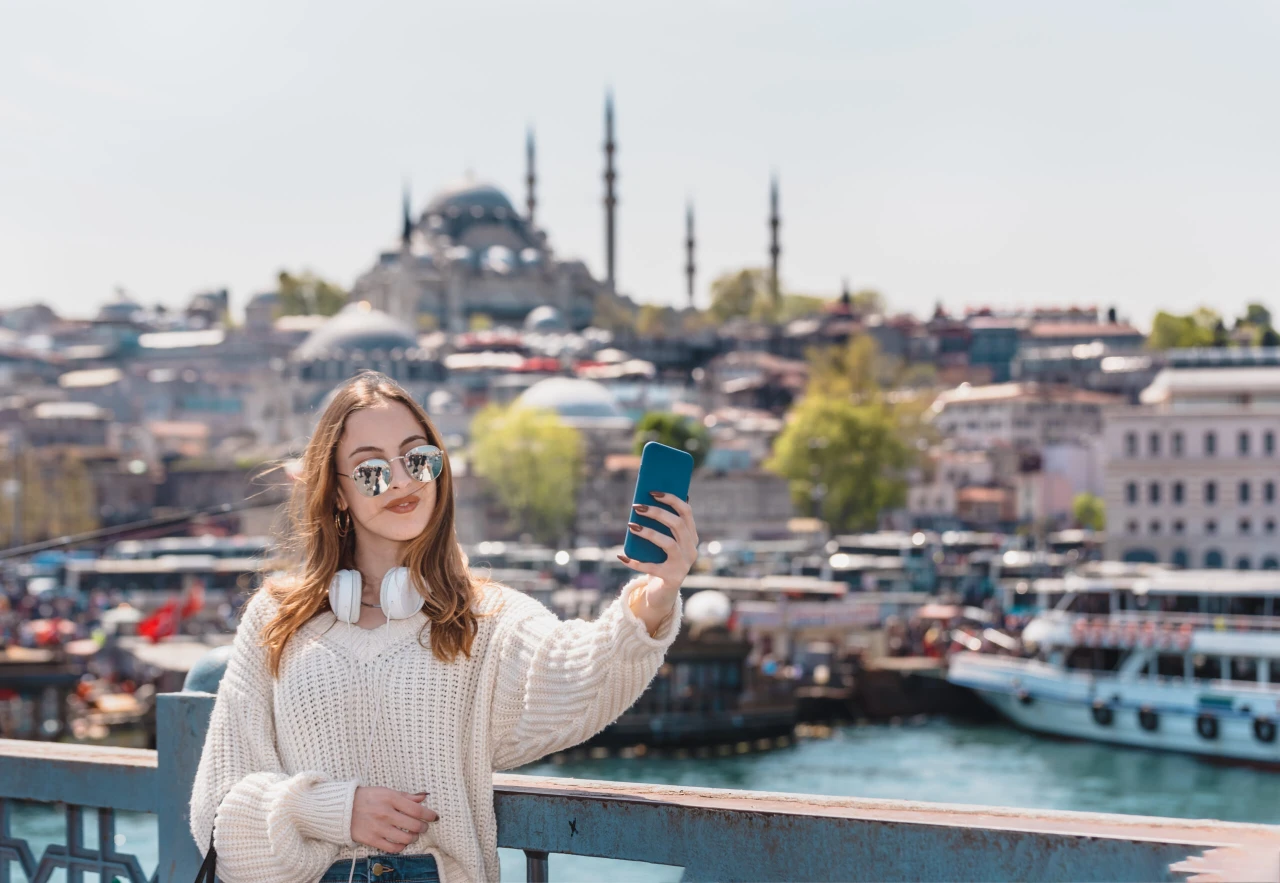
(182, 720)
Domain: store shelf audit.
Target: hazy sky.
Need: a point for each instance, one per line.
(989, 152)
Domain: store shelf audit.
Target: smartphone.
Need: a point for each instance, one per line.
(662, 468)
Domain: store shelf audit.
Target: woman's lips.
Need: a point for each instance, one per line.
(404, 507)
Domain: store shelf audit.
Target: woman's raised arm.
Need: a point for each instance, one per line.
(559, 683)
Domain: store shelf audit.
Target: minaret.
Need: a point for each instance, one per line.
(531, 176)
(689, 267)
(774, 249)
(610, 199)
(406, 229)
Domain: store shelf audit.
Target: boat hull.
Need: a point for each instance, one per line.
(1210, 721)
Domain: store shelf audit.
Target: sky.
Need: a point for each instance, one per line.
(974, 153)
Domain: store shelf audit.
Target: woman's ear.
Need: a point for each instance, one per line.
(341, 502)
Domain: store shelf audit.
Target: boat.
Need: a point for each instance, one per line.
(1184, 661)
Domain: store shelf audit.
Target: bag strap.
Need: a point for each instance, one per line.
(206, 872)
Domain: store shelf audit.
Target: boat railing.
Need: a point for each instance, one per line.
(714, 834)
(1160, 619)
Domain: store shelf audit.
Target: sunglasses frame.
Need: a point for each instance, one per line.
(388, 461)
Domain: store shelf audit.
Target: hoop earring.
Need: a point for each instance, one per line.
(343, 530)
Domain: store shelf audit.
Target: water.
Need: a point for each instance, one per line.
(940, 761)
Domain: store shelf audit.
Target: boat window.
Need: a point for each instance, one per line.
(1249, 606)
(1093, 659)
(1169, 665)
(1207, 668)
(1244, 668)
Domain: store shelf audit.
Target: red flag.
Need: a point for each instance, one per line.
(160, 624)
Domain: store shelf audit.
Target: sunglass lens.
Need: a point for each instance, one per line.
(372, 477)
(424, 462)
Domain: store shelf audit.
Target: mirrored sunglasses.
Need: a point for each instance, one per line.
(373, 476)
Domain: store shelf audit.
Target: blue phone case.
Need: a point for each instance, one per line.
(662, 468)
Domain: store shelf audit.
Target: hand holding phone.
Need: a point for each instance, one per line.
(662, 468)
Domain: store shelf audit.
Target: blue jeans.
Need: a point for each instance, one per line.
(385, 869)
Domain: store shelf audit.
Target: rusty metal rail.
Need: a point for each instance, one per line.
(713, 834)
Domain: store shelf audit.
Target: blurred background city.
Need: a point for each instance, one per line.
(963, 310)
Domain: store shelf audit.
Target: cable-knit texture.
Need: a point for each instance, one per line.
(283, 757)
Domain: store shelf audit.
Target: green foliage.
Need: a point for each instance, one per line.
(742, 294)
(1089, 511)
(308, 295)
(845, 461)
(533, 462)
(612, 314)
(1171, 331)
(851, 371)
(676, 431)
(868, 302)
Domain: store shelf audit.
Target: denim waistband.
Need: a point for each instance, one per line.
(385, 869)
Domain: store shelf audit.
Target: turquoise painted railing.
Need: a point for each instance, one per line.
(713, 834)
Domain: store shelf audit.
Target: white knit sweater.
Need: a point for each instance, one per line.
(282, 758)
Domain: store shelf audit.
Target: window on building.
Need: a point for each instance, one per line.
(1211, 526)
(1181, 558)
(1133, 527)
(1245, 525)
(1179, 525)
(1131, 444)
(1154, 526)
(1210, 443)
(1268, 442)
(1153, 492)
(1244, 492)
(1242, 563)
(1271, 563)
(1210, 492)
(1213, 559)
(1178, 492)
(1153, 444)
(1242, 443)
(1270, 525)
(1175, 443)
(1269, 492)
(1131, 492)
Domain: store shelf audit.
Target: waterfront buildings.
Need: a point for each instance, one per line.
(1192, 470)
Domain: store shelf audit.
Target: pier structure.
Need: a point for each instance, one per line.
(713, 834)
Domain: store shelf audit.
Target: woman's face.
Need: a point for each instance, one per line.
(401, 512)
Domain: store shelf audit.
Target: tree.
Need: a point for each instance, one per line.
(533, 461)
(1171, 331)
(740, 294)
(1089, 511)
(845, 461)
(867, 302)
(850, 371)
(676, 431)
(308, 295)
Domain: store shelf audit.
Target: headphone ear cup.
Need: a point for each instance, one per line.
(344, 595)
(399, 598)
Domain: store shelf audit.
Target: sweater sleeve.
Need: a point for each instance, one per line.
(270, 827)
(560, 683)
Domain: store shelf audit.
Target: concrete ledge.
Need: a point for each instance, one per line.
(86, 775)
(751, 835)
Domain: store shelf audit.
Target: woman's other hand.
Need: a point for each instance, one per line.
(655, 603)
(387, 819)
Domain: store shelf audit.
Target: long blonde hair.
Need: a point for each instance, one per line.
(316, 551)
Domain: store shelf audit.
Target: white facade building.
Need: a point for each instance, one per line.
(1192, 472)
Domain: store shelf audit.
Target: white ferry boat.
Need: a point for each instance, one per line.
(1176, 660)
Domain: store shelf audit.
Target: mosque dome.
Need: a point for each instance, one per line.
(357, 326)
(544, 318)
(470, 198)
(572, 397)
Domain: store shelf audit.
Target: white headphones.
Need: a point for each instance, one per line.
(398, 597)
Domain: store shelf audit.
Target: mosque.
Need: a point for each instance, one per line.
(470, 251)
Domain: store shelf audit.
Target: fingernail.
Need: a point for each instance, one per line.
(633, 527)
(640, 507)
(658, 494)
(623, 558)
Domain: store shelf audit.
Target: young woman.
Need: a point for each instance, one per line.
(349, 742)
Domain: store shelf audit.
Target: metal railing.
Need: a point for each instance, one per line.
(713, 834)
